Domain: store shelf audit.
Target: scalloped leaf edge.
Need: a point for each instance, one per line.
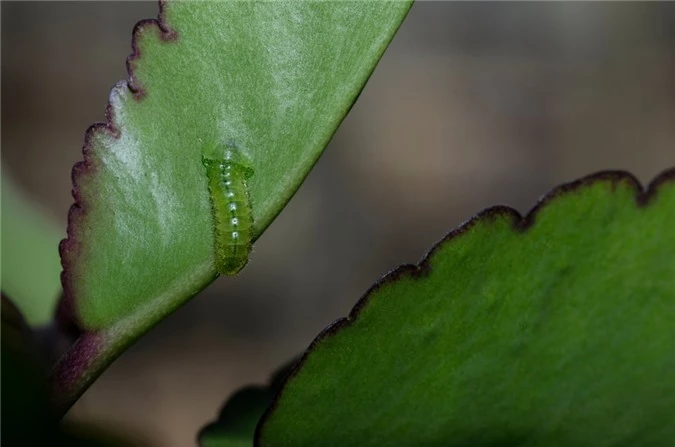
(85, 351)
(69, 248)
(74, 368)
(520, 223)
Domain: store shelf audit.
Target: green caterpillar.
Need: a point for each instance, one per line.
(227, 170)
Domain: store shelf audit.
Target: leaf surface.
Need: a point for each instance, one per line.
(551, 330)
(274, 79)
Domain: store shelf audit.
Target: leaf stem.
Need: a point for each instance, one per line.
(79, 367)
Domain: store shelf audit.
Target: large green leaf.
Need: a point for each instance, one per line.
(556, 329)
(274, 78)
(30, 260)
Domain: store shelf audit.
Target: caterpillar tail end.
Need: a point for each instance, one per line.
(231, 266)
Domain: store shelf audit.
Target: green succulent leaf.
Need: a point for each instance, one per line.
(551, 330)
(30, 259)
(272, 79)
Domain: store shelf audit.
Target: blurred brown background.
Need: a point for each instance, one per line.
(498, 102)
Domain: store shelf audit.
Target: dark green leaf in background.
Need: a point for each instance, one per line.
(27, 416)
(557, 329)
(26, 419)
(239, 417)
(30, 257)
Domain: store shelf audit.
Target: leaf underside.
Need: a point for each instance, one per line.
(273, 78)
(551, 330)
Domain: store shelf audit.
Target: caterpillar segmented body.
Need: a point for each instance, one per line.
(227, 172)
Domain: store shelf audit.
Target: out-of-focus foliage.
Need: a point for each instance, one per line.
(30, 257)
(239, 417)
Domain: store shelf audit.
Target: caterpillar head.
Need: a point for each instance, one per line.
(228, 153)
